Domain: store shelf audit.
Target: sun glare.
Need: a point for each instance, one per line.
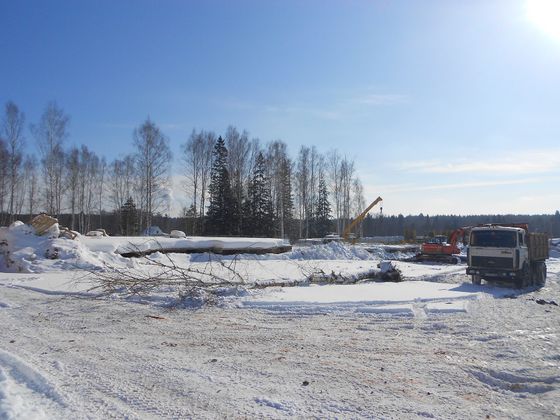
(546, 15)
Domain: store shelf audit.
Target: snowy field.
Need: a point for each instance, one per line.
(432, 346)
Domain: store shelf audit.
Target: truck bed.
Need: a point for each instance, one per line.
(538, 246)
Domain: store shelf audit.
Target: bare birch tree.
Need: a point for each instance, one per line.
(280, 174)
(50, 133)
(310, 163)
(32, 183)
(4, 165)
(100, 187)
(333, 171)
(121, 181)
(153, 159)
(346, 179)
(12, 131)
(303, 191)
(197, 163)
(73, 182)
(358, 202)
(209, 140)
(89, 168)
(239, 152)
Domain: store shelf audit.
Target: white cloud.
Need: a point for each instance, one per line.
(528, 162)
(455, 186)
(339, 106)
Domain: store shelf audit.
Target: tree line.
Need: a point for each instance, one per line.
(414, 226)
(238, 186)
(235, 185)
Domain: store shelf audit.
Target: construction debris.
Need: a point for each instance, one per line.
(42, 223)
(97, 232)
(68, 233)
(389, 272)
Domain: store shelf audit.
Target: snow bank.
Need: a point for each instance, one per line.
(24, 252)
(391, 252)
(322, 252)
(331, 251)
(129, 244)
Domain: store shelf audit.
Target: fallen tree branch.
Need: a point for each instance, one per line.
(204, 283)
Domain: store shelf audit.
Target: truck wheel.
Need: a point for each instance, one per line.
(476, 279)
(526, 277)
(533, 275)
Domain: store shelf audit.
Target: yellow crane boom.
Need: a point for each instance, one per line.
(346, 233)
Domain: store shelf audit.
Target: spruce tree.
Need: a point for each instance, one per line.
(258, 209)
(129, 218)
(287, 201)
(222, 210)
(322, 219)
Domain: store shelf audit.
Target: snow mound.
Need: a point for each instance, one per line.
(331, 251)
(392, 252)
(22, 251)
(132, 244)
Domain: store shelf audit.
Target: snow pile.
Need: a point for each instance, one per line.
(24, 252)
(20, 248)
(128, 244)
(177, 234)
(331, 251)
(392, 252)
(386, 266)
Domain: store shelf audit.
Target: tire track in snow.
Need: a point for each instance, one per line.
(518, 382)
(24, 391)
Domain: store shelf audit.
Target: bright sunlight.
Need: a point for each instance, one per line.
(546, 15)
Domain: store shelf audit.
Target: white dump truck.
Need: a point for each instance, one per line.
(507, 252)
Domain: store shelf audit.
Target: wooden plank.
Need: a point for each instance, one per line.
(42, 223)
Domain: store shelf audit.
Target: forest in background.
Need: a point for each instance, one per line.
(236, 186)
(409, 227)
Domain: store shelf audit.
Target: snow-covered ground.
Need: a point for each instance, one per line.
(431, 346)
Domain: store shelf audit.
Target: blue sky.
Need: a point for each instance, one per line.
(446, 106)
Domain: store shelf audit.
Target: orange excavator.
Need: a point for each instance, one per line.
(440, 249)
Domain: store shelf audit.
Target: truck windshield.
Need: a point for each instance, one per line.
(494, 238)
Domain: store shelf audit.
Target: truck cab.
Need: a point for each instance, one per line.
(507, 253)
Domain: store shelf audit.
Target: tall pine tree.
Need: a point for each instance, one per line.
(258, 212)
(129, 218)
(322, 220)
(285, 205)
(222, 210)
